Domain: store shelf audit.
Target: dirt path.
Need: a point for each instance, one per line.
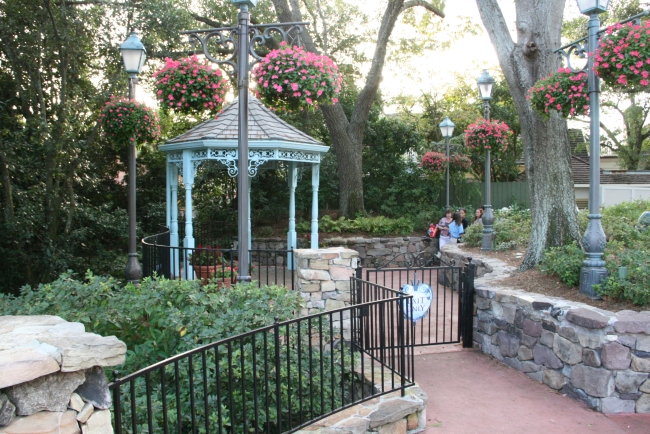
(470, 392)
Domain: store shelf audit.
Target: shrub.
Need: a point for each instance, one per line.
(564, 261)
(512, 227)
(379, 225)
(563, 91)
(636, 288)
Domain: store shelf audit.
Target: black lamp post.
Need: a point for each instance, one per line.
(234, 46)
(133, 56)
(447, 129)
(485, 84)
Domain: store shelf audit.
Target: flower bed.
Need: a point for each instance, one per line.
(293, 79)
(622, 59)
(563, 91)
(125, 121)
(484, 135)
(189, 86)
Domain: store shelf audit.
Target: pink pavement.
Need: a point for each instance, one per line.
(471, 393)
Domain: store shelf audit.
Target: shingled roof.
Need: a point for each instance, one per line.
(263, 124)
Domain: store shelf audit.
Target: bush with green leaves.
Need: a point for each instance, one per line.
(564, 261)
(162, 318)
(379, 225)
(634, 288)
(512, 226)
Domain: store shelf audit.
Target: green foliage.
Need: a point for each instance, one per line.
(564, 261)
(379, 225)
(636, 287)
(512, 226)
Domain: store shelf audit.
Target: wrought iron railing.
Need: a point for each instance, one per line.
(268, 267)
(276, 379)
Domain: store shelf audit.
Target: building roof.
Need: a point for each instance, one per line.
(263, 124)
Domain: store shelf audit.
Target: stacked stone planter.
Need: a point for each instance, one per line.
(590, 354)
(323, 279)
(52, 378)
(389, 414)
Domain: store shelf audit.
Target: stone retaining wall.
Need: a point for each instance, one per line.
(389, 414)
(590, 354)
(52, 378)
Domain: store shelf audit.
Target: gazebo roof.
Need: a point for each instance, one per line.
(263, 125)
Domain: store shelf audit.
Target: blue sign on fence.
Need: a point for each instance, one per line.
(422, 299)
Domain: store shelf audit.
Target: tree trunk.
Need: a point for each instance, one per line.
(347, 135)
(546, 143)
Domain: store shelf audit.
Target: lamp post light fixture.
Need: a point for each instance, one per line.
(447, 129)
(133, 57)
(485, 84)
(235, 42)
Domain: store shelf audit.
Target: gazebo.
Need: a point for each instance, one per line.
(271, 140)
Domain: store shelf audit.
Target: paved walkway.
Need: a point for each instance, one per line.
(470, 392)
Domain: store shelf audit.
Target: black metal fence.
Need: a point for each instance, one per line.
(274, 379)
(211, 262)
(450, 316)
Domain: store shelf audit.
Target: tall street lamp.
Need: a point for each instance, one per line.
(133, 56)
(235, 54)
(447, 129)
(485, 84)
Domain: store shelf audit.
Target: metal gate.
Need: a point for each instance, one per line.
(450, 315)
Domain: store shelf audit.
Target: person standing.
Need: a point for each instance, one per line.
(463, 215)
(456, 228)
(478, 216)
(443, 227)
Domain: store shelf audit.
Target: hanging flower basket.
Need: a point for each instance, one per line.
(189, 86)
(124, 120)
(563, 91)
(484, 135)
(293, 79)
(460, 163)
(435, 162)
(622, 58)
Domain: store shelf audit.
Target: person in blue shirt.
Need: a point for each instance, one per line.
(456, 227)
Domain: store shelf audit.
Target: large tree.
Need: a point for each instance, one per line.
(347, 131)
(546, 144)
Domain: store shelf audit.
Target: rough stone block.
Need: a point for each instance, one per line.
(95, 389)
(483, 303)
(632, 322)
(643, 404)
(49, 393)
(318, 264)
(484, 292)
(547, 338)
(590, 340)
(20, 365)
(532, 328)
(309, 274)
(627, 340)
(580, 395)
(45, 422)
(328, 286)
(545, 356)
(569, 333)
(519, 318)
(99, 423)
(508, 344)
(594, 381)
(587, 318)
(338, 272)
(392, 410)
(567, 351)
(643, 343)
(310, 287)
(397, 427)
(640, 364)
(525, 353)
(85, 413)
(615, 356)
(591, 357)
(645, 387)
(334, 304)
(76, 403)
(613, 405)
(630, 396)
(7, 410)
(528, 366)
(549, 325)
(513, 362)
(553, 379)
(342, 285)
(487, 327)
(629, 382)
(537, 376)
(509, 311)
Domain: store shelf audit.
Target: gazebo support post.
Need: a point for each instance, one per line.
(188, 242)
(291, 235)
(173, 220)
(250, 224)
(315, 177)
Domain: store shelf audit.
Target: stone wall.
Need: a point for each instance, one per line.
(52, 377)
(590, 354)
(389, 414)
(379, 250)
(323, 280)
